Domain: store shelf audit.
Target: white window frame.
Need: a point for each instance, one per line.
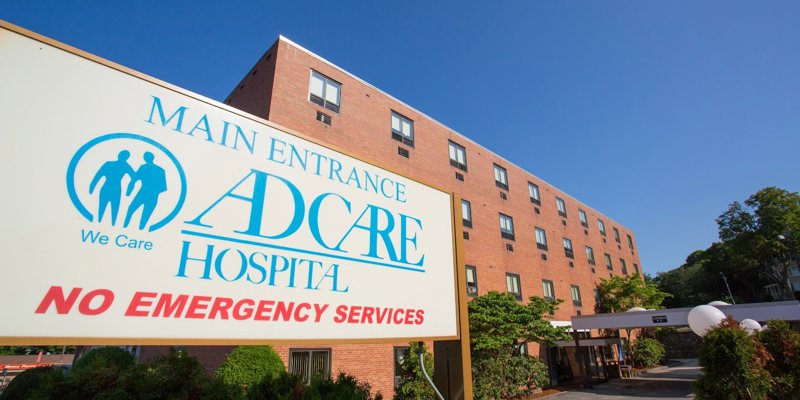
(458, 155)
(471, 272)
(601, 226)
(541, 238)
(400, 134)
(466, 213)
(506, 226)
(583, 218)
(561, 206)
(547, 286)
(590, 255)
(575, 291)
(323, 97)
(609, 262)
(568, 250)
(308, 374)
(500, 176)
(514, 285)
(533, 192)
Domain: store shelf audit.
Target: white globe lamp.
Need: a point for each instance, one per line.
(718, 303)
(637, 309)
(702, 318)
(751, 326)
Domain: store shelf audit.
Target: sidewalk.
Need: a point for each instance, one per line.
(670, 382)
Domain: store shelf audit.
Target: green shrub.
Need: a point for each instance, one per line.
(784, 346)
(413, 385)
(248, 365)
(107, 356)
(647, 352)
(505, 376)
(733, 365)
(282, 387)
(345, 387)
(23, 386)
(174, 376)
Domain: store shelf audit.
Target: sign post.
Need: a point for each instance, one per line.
(139, 213)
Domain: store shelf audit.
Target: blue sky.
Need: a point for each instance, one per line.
(657, 113)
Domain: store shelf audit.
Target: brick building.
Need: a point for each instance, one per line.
(521, 234)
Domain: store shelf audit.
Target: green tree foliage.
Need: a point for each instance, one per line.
(248, 365)
(413, 385)
(733, 365)
(784, 346)
(619, 294)
(759, 241)
(23, 386)
(174, 376)
(23, 350)
(344, 387)
(497, 322)
(648, 352)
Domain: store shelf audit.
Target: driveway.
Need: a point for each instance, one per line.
(670, 383)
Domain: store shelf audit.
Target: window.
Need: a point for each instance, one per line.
(521, 349)
(609, 265)
(500, 177)
(533, 191)
(597, 299)
(616, 234)
(582, 216)
(601, 226)
(568, 248)
(590, 255)
(630, 242)
(506, 227)
(307, 363)
(324, 91)
(635, 268)
(401, 354)
(402, 129)
(512, 286)
(547, 290)
(562, 207)
(472, 281)
(576, 294)
(623, 266)
(458, 156)
(541, 238)
(466, 214)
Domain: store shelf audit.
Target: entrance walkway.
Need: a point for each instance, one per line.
(670, 383)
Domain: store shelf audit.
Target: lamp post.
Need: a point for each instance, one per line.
(729, 288)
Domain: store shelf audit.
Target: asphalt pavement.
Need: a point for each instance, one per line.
(671, 382)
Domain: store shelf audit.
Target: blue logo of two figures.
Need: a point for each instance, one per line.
(151, 177)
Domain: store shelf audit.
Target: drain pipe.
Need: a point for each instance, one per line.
(421, 353)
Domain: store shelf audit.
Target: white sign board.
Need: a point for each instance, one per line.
(131, 210)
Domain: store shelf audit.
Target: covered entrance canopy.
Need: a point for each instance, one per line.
(783, 310)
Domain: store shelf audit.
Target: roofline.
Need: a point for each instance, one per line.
(351, 75)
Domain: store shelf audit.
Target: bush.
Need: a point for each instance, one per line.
(107, 356)
(249, 365)
(23, 386)
(174, 376)
(282, 387)
(345, 387)
(507, 376)
(784, 346)
(647, 352)
(733, 365)
(413, 385)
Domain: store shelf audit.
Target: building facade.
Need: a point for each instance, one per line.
(521, 235)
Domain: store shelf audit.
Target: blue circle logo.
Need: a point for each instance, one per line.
(129, 179)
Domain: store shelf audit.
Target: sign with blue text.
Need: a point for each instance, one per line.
(132, 210)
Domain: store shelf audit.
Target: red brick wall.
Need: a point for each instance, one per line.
(362, 127)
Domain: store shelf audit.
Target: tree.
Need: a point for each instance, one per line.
(733, 365)
(413, 385)
(765, 233)
(619, 294)
(497, 323)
